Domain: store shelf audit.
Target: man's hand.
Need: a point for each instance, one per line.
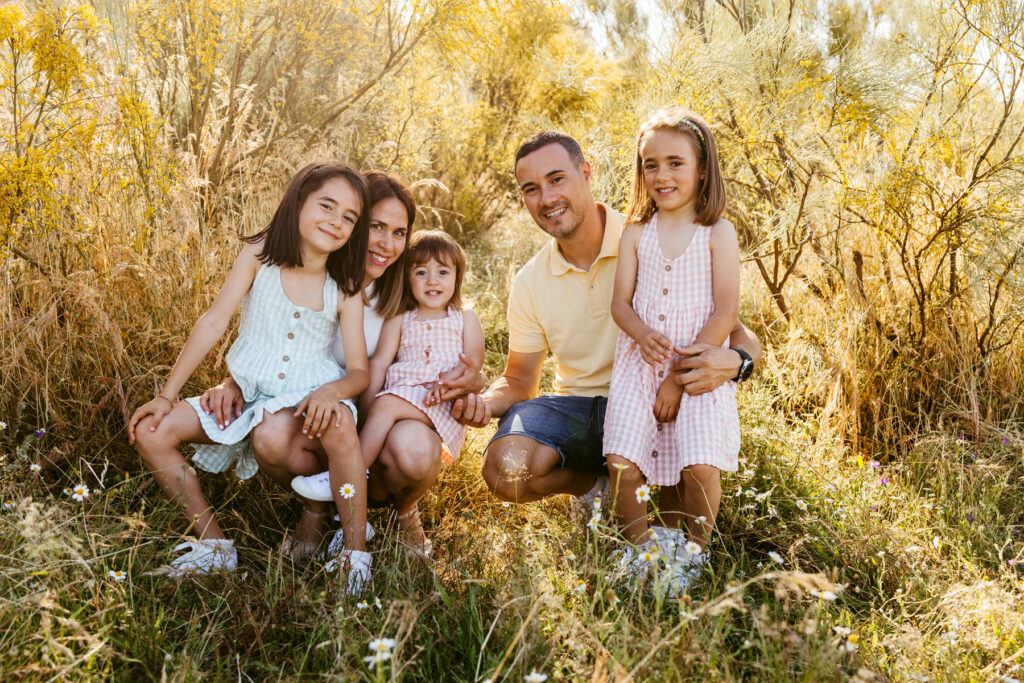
(471, 410)
(701, 368)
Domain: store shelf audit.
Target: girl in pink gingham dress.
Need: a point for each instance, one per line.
(677, 283)
(433, 341)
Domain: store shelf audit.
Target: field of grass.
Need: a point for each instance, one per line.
(825, 567)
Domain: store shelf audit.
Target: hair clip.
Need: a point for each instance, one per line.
(317, 168)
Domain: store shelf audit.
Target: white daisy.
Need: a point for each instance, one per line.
(535, 677)
(643, 493)
(594, 521)
(362, 604)
(775, 557)
(693, 548)
(8, 505)
(347, 491)
(3, 426)
(377, 603)
(80, 492)
(570, 556)
(581, 586)
(117, 575)
(381, 645)
(35, 467)
(802, 505)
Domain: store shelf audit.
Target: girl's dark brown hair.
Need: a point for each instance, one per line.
(710, 188)
(388, 287)
(442, 247)
(281, 237)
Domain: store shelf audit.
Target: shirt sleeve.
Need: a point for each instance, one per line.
(525, 333)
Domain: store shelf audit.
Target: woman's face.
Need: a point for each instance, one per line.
(389, 230)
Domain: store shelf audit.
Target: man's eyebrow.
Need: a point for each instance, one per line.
(546, 175)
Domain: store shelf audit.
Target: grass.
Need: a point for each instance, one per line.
(922, 568)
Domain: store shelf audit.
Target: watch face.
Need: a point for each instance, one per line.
(746, 369)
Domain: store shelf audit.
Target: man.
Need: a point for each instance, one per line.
(560, 301)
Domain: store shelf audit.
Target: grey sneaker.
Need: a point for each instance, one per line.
(634, 563)
(584, 507)
(205, 556)
(682, 563)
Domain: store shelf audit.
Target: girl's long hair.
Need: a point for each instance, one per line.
(388, 288)
(442, 247)
(280, 238)
(710, 189)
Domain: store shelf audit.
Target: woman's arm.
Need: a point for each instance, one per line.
(654, 346)
(320, 405)
(387, 349)
(207, 331)
(725, 278)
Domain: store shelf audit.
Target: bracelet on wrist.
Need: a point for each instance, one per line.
(165, 398)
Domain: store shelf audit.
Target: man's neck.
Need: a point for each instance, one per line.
(582, 249)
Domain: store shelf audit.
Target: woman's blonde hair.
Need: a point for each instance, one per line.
(710, 187)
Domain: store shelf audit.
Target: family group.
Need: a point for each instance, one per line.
(358, 367)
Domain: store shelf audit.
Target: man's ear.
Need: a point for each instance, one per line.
(585, 170)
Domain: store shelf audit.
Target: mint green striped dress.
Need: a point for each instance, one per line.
(282, 354)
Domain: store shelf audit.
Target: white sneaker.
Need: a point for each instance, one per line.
(337, 543)
(357, 564)
(683, 563)
(315, 487)
(634, 563)
(205, 556)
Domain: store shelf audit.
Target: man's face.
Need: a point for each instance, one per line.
(555, 190)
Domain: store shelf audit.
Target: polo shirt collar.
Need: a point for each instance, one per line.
(609, 243)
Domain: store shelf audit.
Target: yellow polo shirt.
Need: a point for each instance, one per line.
(555, 305)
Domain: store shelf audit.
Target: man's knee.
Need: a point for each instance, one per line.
(509, 464)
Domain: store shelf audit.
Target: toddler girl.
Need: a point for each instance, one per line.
(296, 280)
(676, 283)
(435, 340)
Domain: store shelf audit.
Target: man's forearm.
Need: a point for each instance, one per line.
(505, 393)
(742, 338)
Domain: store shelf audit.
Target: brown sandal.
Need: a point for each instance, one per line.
(410, 526)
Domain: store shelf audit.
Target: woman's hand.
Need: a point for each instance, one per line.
(223, 401)
(654, 346)
(156, 408)
(666, 405)
(319, 407)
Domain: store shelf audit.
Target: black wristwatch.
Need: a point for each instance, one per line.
(746, 365)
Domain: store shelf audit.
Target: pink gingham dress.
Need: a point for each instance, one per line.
(673, 296)
(428, 348)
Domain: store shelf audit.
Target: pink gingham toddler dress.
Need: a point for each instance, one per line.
(673, 296)
(428, 348)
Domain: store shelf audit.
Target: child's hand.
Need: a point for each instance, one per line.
(156, 408)
(319, 407)
(223, 401)
(655, 347)
(439, 388)
(666, 405)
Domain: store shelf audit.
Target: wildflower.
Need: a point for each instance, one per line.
(80, 493)
(693, 548)
(702, 519)
(875, 464)
(936, 542)
(347, 491)
(643, 493)
(761, 497)
(362, 604)
(775, 557)
(620, 465)
(67, 492)
(885, 480)
(827, 595)
(970, 517)
(650, 555)
(912, 549)
(381, 649)
(748, 506)
(8, 505)
(581, 586)
(851, 642)
(802, 505)
(570, 556)
(39, 433)
(1006, 441)
(841, 631)
(750, 493)
(117, 575)
(3, 426)
(829, 487)
(35, 467)
(535, 677)
(377, 603)
(595, 519)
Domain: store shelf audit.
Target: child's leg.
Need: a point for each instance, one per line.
(384, 413)
(697, 495)
(174, 475)
(348, 478)
(626, 478)
(284, 452)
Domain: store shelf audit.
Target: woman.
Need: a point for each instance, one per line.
(411, 460)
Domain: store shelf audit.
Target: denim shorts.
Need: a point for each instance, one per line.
(572, 425)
